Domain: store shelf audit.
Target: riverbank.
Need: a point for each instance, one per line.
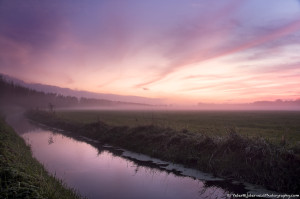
(232, 156)
(22, 176)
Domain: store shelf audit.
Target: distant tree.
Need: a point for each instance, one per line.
(51, 107)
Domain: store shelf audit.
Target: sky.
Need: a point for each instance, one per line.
(181, 51)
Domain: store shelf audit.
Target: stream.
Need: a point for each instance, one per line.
(102, 171)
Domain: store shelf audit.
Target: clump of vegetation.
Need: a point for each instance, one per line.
(272, 125)
(22, 176)
(254, 160)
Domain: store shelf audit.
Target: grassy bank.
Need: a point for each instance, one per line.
(22, 176)
(231, 155)
(271, 125)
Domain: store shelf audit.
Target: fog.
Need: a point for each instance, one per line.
(14, 95)
(270, 106)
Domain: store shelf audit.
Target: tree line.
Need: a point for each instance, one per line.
(12, 94)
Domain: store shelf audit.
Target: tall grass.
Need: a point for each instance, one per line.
(22, 176)
(269, 124)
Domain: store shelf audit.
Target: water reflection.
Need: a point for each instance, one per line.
(100, 173)
(50, 140)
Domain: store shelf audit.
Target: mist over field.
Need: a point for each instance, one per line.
(61, 100)
(151, 99)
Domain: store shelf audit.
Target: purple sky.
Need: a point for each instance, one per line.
(181, 50)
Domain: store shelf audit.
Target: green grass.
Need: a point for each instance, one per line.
(271, 125)
(22, 176)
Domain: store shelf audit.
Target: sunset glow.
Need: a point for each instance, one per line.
(225, 51)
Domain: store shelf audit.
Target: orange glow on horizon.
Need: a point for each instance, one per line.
(187, 52)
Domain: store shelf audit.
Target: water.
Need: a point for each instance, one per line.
(98, 171)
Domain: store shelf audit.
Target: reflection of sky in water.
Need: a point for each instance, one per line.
(107, 176)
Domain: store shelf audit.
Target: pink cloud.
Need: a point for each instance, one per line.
(122, 47)
(188, 50)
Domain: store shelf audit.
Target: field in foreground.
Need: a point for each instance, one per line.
(271, 125)
(233, 156)
(22, 176)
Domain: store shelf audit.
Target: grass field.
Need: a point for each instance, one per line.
(274, 166)
(271, 125)
(22, 176)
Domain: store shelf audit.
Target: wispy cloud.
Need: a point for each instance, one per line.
(219, 47)
(210, 49)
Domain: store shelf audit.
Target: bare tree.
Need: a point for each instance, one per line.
(51, 107)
